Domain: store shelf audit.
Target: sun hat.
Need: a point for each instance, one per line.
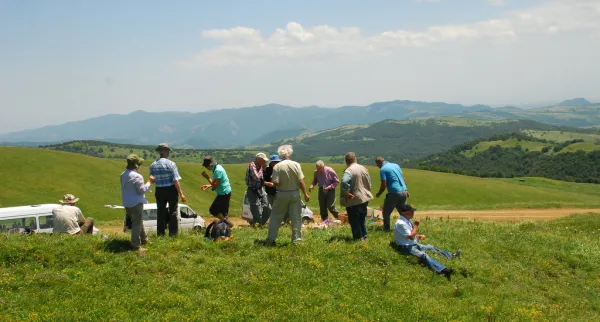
(163, 146)
(134, 160)
(274, 158)
(69, 198)
(262, 156)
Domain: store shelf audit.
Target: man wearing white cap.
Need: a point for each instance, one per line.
(257, 196)
(68, 218)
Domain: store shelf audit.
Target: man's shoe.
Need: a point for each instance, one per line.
(229, 223)
(447, 272)
(457, 254)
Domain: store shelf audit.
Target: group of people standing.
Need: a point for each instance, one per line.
(273, 185)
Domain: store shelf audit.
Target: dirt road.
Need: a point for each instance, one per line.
(511, 215)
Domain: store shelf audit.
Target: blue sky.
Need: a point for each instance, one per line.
(68, 60)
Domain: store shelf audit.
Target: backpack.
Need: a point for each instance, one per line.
(216, 229)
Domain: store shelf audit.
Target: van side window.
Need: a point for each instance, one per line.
(46, 222)
(24, 223)
(150, 214)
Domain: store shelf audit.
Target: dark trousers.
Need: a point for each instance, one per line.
(392, 200)
(87, 227)
(220, 206)
(327, 203)
(357, 216)
(167, 216)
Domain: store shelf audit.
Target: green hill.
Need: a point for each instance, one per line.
(34, 176)
(407, 140)
(102, 149)
(517, 155)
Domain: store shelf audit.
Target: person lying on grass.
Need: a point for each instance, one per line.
(406, 238)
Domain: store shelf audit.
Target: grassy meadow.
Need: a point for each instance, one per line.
(561, 136)
(528, 271)
(35, 176)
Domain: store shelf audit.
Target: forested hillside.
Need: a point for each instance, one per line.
(519, 155)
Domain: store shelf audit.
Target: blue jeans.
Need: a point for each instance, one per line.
(357, 216)
(419, 250)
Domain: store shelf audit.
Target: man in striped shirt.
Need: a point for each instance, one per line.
(168, 190)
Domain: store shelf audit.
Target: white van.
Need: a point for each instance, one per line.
(34, 218)
(307, 214)
(188, 218)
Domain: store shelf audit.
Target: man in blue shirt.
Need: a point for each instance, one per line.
(392, 179)
(219, 184)
(168, 191)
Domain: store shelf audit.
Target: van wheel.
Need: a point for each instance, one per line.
(197, 229)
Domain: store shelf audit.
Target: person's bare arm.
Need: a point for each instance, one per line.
(381, 188)
(303, 189)
(415, 230)
(178, 186)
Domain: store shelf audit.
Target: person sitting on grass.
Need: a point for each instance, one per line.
(406, 238)
(219, 183)
(68, 218)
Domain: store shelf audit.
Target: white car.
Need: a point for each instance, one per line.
(307, 214)
(188, 218)
(33, 218)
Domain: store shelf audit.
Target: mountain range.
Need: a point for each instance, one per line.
(229, 128)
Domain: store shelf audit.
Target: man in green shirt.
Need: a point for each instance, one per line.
(219, 183)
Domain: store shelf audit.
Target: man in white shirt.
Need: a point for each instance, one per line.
(406, 237)
(68, 219)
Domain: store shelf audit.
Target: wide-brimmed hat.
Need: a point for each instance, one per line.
(163, 146)
(134, 160)
(262, 156)
(69, 198)
(274, 158)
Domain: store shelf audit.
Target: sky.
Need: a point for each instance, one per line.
(64, 61)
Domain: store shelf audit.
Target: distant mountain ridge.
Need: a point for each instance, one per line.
(234, 128)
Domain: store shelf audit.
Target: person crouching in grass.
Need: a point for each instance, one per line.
(219, 183)
(406, 238)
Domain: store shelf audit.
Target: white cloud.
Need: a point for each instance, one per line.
(246, 46)
(496, 2)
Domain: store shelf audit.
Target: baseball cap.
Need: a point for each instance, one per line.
(407, 208)
(207, 161)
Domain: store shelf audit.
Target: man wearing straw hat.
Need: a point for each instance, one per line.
(133, 191)
(68, 218)
(168, 190)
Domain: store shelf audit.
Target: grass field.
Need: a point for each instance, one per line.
(34, 176)
(510, 143)
(529, 271)
(559, 136)
(581, 146)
